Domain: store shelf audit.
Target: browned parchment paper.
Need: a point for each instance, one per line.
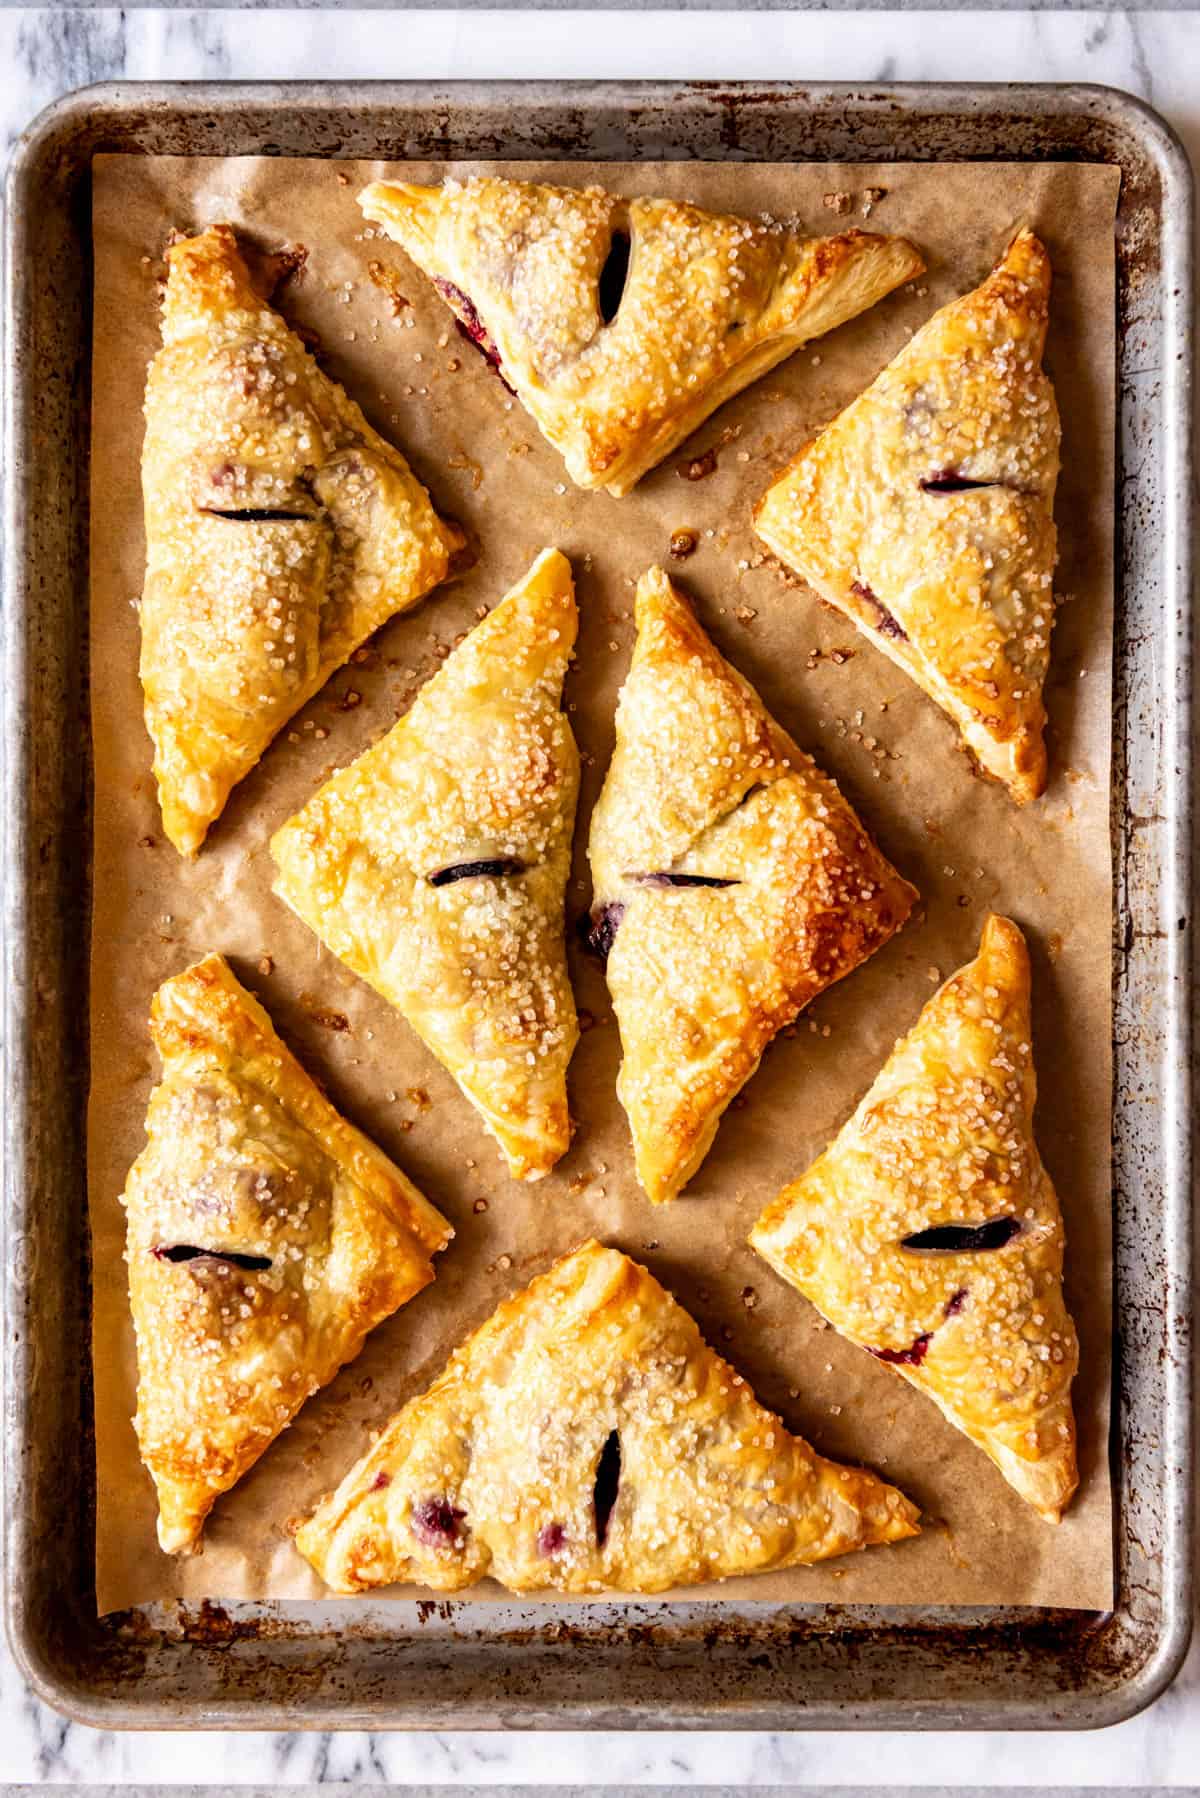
(964, 844)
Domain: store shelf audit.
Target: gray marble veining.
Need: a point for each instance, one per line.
(45, 52)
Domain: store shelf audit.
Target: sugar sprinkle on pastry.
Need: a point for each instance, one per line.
(621, 325)
(281, 531)
(924, 512)
(732, 885)
(587, 1439)
(265, 1237)
(435, 866)
(929, 1231)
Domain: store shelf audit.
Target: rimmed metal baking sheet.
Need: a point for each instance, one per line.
(651, 1665)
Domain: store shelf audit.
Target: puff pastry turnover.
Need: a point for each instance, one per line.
(929, 1232)
(435, 866)
(924, 512)
(587, 1439)
(732, 885)
(280, 532)
(622, 324)
(266, 1237)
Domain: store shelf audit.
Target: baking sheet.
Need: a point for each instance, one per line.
(961, 841)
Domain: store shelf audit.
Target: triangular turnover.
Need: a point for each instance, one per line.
(930, 1233)
(732, 885)
(925, 513)
(281, 531)
(265, 1237)
(621, 325)
(587, 1439)
(435, 866)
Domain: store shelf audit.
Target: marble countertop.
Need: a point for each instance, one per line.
(46, 52)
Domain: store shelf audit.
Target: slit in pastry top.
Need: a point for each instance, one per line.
(281, 531)
(732, 884)
(621, 325)
(435, 866)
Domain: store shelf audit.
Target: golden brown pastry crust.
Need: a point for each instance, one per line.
(705, 785)
(482, 770)
(953, 582)
(280, 532)
(246, 1158)
(945, 1137)
(709, 304)
(497, 1468)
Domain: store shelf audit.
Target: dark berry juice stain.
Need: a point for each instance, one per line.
(698, 468)
(186, 1251)
(381, 1482)
(613, 275)
(607, 1484)
(955, 1302)
(963, 1239)
(435, 1522)
(909, 1357)
(501, 865)
(552, 1539)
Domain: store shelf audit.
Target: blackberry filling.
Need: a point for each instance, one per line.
(963, 1239)
(504, 864)
(253, 514)
(470, 325)
(600, 930)
(680, 880)
(552, 1539)
(607, 1485)
(186, 1251)
(955, 1302)
(948, 480)
(909, 1357)
(613, 276)
(884, 622)
(435, 1522)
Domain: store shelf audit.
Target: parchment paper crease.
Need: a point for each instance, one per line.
(964, 844)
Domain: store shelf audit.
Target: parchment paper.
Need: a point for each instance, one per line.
(965, 845)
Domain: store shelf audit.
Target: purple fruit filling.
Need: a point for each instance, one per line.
(681, 880)
(884, 622)
(186, 1251)
(552, 1539)
(253, 514)
(502, 864)
(607, 1484)
(963, 1239)
(435, 1522)
(909, 1357)
(470, 324)
(956, 1301)
(948, 480)
(613, 276)
(600, 930)
(381, 1481)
